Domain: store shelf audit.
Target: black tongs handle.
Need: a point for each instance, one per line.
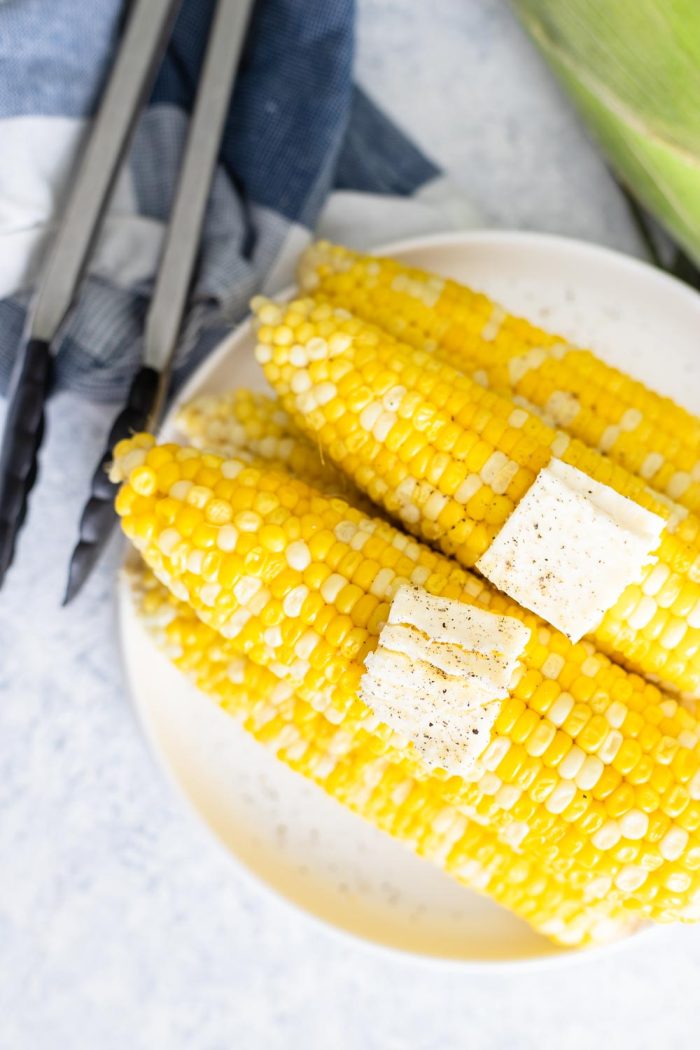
(98, 517)
(21, 441)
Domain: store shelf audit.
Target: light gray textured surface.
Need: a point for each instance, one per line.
(121, 925)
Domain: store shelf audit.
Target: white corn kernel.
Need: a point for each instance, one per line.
(673, 633)
(630, 419)
(209, 593)
(384, 423)
(591, 666)
(180, 489)
(630, 878)
(651, 465)
(419, 575)
(616, 714)
(317, 349)
(332, 586)
(359, 539)
(299, 670)
(370, 415)
(338, 343)
(571, 763)
(434, 506)
(235, 623)
(179, 590)
(518, 418)
(406, 488)
(382, 582)
(231, 468)
(198, 496)
(688, 739)
(655, 580)
(298, 356)
(553, 666)
(301, 382)
(559, 799)
(608, 438)
(673, 843)
(493, 325)
(634, 824)
(589, 773)
(642, 614)
(325, 392)
(294, 600)
(227, 538)
(344, 531)
(598, 888)
(133, 459)
(168, 541)
(195, 558)
(248, 521)
(678, 484)
(507, 796)
(246, 588)
(298, 556)
(495, 753)
(610, 746)
(273, 637)
(493, 466)
(560, 709)
(306, 644)
(490, 784)
(469, 487)
(515, 833)
(560, 444)
(607, 835)
(678, 881)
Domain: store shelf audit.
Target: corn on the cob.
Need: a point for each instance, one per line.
(589, 769)
(452, 460)
(644, 432)
(245, 419)
(341, 761)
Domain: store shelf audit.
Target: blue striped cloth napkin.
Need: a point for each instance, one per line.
(303, 145)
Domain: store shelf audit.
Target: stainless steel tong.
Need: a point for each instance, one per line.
(140, 54)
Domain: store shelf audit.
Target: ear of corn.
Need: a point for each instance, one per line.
(645, 433)
(589, 769)
(452, 460)
(342, 760)
(249, 421)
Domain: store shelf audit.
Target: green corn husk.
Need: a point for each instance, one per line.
(633, 69)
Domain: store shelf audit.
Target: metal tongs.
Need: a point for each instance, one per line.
(139, 57)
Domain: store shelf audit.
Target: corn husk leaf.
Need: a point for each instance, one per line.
(633, 69)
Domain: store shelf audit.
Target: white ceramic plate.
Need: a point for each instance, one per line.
(285, 830)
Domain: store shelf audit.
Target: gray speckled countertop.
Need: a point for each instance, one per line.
(121, 925)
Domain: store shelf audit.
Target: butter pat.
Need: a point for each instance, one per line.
(439, 673)
(570, 548)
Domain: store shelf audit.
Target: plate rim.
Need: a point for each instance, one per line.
(558, 956)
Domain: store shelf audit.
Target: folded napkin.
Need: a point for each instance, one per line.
(303, 147)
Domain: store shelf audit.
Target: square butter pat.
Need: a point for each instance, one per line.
(438, 674)
(570, 548)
